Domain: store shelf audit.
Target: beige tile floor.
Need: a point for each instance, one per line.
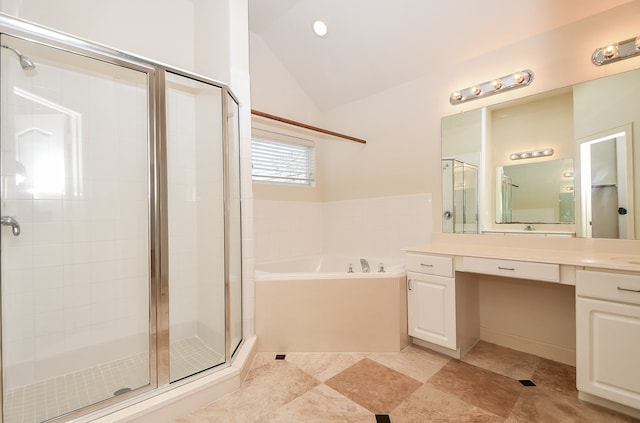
(415, 385)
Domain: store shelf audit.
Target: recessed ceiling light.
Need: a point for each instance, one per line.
(320, 28)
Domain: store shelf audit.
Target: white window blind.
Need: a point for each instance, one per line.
(282, 162)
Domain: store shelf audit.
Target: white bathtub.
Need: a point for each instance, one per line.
(313, 304)
(327, 266)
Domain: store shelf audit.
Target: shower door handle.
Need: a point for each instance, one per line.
(10, 221)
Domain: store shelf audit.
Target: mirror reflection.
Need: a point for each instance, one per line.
(540, 192)
(461, 199)
(589, 127)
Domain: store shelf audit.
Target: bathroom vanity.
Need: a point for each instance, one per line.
(443, 310)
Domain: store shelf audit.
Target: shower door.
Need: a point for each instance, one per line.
(196, 225)
(75, 241)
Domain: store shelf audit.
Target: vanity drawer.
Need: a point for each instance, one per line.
(608, 285)
(512, 268)
(430, 265)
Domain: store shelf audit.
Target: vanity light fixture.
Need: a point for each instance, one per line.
(616, 51)
(532, 154)
(495, 86)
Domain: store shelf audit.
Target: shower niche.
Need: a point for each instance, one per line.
(120, 245)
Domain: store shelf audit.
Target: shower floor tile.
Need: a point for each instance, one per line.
(54, 397)
(63, 394)
(192, 355)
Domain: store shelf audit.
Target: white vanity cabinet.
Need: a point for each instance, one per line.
(608, 335)
(438, 315)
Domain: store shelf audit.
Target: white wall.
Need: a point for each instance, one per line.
(273, 88)
(162, 31)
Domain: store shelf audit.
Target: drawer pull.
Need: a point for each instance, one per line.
(506, 268)
(426, 265)
(409, 284)
(628, 290)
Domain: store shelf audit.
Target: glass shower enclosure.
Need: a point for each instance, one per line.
(459, 196)
(120, 264)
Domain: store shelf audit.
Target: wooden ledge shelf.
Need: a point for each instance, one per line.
(305, 126)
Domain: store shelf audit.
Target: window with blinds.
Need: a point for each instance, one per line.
(281, 162)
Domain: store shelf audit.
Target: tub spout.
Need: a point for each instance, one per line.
(365, 265)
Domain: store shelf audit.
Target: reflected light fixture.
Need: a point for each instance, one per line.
(320, 28)
(616, 51)
(534, 154)
(495, 86)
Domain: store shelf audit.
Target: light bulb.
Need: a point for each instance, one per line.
(476, 90)
(610, 51)
(496, 84)
(320, 28)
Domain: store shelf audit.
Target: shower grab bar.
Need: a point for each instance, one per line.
(10, 221)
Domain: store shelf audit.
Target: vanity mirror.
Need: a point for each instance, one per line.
(587, 129)
(537, 192)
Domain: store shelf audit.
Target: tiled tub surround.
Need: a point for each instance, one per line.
(380, 226)
(327, 266)
(414, 385)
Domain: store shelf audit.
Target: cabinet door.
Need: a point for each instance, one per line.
(432, 309)
(608, 349)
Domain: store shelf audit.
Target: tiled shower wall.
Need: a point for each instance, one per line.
(379, 227)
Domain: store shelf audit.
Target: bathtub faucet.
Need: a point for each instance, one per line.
(365, 266)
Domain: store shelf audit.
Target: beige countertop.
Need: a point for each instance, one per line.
(620, 255)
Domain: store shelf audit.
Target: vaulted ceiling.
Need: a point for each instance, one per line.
(373, 45)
